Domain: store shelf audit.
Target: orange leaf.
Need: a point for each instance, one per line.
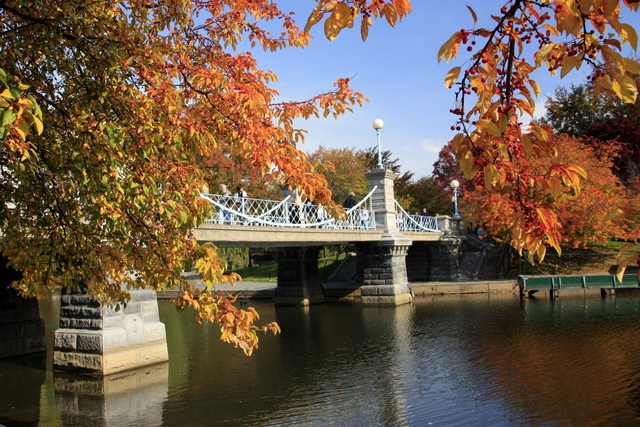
(473, 14)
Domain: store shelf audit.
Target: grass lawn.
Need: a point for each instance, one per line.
(597, 258)
(269, 272)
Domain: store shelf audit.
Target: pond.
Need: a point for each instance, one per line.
(460, 360)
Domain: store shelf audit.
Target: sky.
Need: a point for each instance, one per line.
(398, 71)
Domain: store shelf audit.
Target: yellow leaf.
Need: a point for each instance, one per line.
(569, 63)
(457, 141)
(490, 175)
(340, 17)
(536, 87)
(504, 122)
(552, 29)
(544, 53)
(631, 66)
(623, 264)
(619, 213)
(504, 151)
(577, 169)
(467, 163)
(555, 186)
(624, 248)
(450, 48)
(364, 27)
(7, 94)
(314, 18)
(629, 35)
(625, 88)
(612, 57)
(342, 11)
(489, 127)
(390, 12)
(452, 77)
(542, 251)
(604, 82)
(38, 124)
(526, 144)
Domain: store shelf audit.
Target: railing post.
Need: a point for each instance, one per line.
(383, 200)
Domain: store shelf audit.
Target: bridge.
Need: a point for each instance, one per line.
(392, 249)
(392, 246)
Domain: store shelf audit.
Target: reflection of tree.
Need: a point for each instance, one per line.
(570, 359)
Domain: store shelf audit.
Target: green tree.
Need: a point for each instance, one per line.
(427, 193)
(574, 111)
(588, 110)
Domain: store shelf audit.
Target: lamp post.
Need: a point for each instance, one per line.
(377, 125)
(455, 184)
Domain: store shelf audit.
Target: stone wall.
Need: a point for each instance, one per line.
(418, 262)
(21, 328)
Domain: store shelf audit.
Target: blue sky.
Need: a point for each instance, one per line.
(397, 69)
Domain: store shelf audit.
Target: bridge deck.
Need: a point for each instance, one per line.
(530, 285)
(254, 236)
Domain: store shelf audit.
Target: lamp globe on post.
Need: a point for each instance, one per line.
(455, 184)
(377, 125)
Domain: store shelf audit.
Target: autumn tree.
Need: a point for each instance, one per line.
(224, 168)
(494, 147)
(344, 170)
(581, 217)
(108, 109)
(447, 168)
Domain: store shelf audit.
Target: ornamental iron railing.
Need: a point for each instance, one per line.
(234, 210)
(408, 222)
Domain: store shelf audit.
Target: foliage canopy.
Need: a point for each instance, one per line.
(109, 111)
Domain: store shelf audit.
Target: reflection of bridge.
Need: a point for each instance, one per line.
(392, 246)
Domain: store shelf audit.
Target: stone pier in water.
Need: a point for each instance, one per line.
(106, 341)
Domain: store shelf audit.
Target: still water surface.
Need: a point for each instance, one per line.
(489, 360)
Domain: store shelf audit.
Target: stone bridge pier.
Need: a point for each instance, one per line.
(105, 341)
(298, 276)
(385, 280)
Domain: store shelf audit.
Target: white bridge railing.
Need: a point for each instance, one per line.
(287, 213)
(408, 222)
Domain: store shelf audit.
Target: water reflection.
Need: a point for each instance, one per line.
(133, 397)
(455, 360)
